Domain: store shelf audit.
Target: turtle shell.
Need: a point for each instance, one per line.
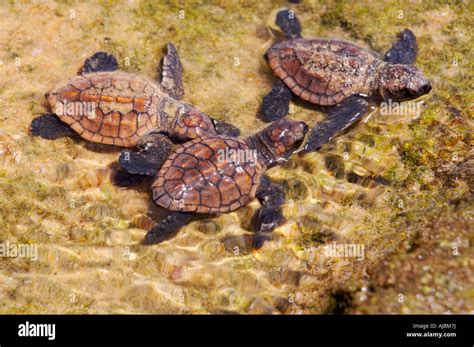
(114, 108)
(198, 177)
(323, 72)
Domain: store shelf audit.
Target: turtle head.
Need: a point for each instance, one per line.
(402, 82)
(282, 138)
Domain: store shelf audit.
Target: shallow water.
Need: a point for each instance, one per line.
(400, 186)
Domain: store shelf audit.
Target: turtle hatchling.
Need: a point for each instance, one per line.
(105, 105)
(339, 75)
(219, 174)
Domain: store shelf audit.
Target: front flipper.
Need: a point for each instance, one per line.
(154, 150)
(271, 197)
(100, 61)
(266, 219)
(339, 119)
(225, 128)
(124, 179)
(171, 73)
(48, 126)
(137, 163)
(404, 50)
(289, 24)
(270, 193)
(276, 104)
(167, 228)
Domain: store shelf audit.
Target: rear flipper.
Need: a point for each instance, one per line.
(99, 62)
(49, 126)
(276, 104)
(225, 128)
(271, 197)
(167, 227)
(154, 150)
(339, 119)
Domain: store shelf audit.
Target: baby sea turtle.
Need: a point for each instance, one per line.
(339, 75)
(219, 174)
(105, 105)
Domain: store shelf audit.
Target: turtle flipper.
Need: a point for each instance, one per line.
(48, 126)
(404, 50)
(339, 119)
(270, 193)
(137, 163)
(289, 24)
(170, 76)
(167, 227)
(276, 104)
(271, 197)
(266, 219)
(225, 128)
(122, 178)
(154, 148)
(258, 240)
(98, 62)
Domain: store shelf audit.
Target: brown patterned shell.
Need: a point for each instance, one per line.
(114, 108)
(324, 72)
(197, 178)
